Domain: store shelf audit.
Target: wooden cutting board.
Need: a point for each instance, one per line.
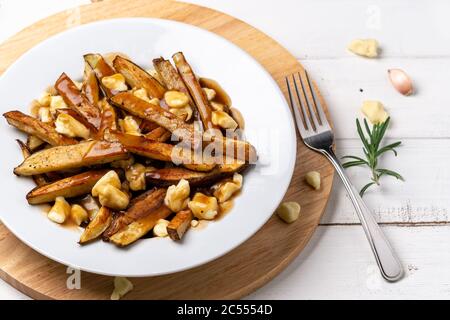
(232, 276)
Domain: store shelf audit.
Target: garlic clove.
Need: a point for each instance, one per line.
(401, 81)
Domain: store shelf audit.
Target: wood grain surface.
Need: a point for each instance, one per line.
(267, 253)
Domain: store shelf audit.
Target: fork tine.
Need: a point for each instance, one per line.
(309, 103)
(317, 104)
(306, 118)
(298, 118)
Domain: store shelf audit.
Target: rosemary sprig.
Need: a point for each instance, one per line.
(372, 150)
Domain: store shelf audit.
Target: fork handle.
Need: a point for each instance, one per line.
(387, 260)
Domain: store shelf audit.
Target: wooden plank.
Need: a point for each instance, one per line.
(322, 29)
(422, 198)
(424, 114)
(338, 264)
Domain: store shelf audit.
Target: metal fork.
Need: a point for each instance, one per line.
(317, 135)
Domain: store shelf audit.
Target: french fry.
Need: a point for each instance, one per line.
(101, 70)
(70, 157)
(77, 101)
(109, 120)
(39, 179)
(142, 109)
(70, 187)
(179, 224)
(33, 126)
(168, 176)
(196, 91)
(97, 226)
(138, 208)
(136, 77)
(159, 134)
(140, 227)
(90, 87)
(164, 152)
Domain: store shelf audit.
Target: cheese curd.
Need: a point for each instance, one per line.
(69, 126)
(364, 47)
(78, 214)
(141, 94)
(115, 82)
(135, 175)
(224, 191)
(113, 198)
(57, 102)
(130, 125)
(210, 93)
(121, 287)
(177, 197)
(110, 178)
(45, 115)
(313, 179)
(374, 111)
(60, 210)
(224, 120)
(289, 211)
(204, 207)
(160, 229)
(176, 99)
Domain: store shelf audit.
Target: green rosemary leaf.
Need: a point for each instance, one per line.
(389, 147)
(361, 135)
(390, 173)
(354, 158)
(364, 189)
(353, 163)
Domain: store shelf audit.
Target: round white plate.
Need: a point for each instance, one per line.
(269, 127)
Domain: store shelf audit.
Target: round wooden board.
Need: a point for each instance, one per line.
(232, 276)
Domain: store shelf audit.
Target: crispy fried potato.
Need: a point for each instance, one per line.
(139, 207)
(197, 93)
(179, 224)
(69, 157)
(171, 77)
(70, 187)
(168, 176)
(164, 152)
(74, 115)
(37, 128)
(34, 143)
(136, 77)
(155, 113)
(39, 179)
(90, 85)
(159, 134)
(77, 101)
(101, 69)
(109, 120)
(140, 227)
(97, 226)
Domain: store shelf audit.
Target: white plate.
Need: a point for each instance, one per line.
(269, 127)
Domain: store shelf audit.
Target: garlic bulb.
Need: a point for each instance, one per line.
(401, 81)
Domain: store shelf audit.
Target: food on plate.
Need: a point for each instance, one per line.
(126, 153)
(364, 47)
(121, 287)
(289, 211)
(97, 226)
(179, 224)
(401, 81)
(37, 128)
(69, 187)
(160, 229)
(60, 210)
(374, 111)
(313, 179)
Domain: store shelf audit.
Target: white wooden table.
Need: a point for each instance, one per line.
(338, 263)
